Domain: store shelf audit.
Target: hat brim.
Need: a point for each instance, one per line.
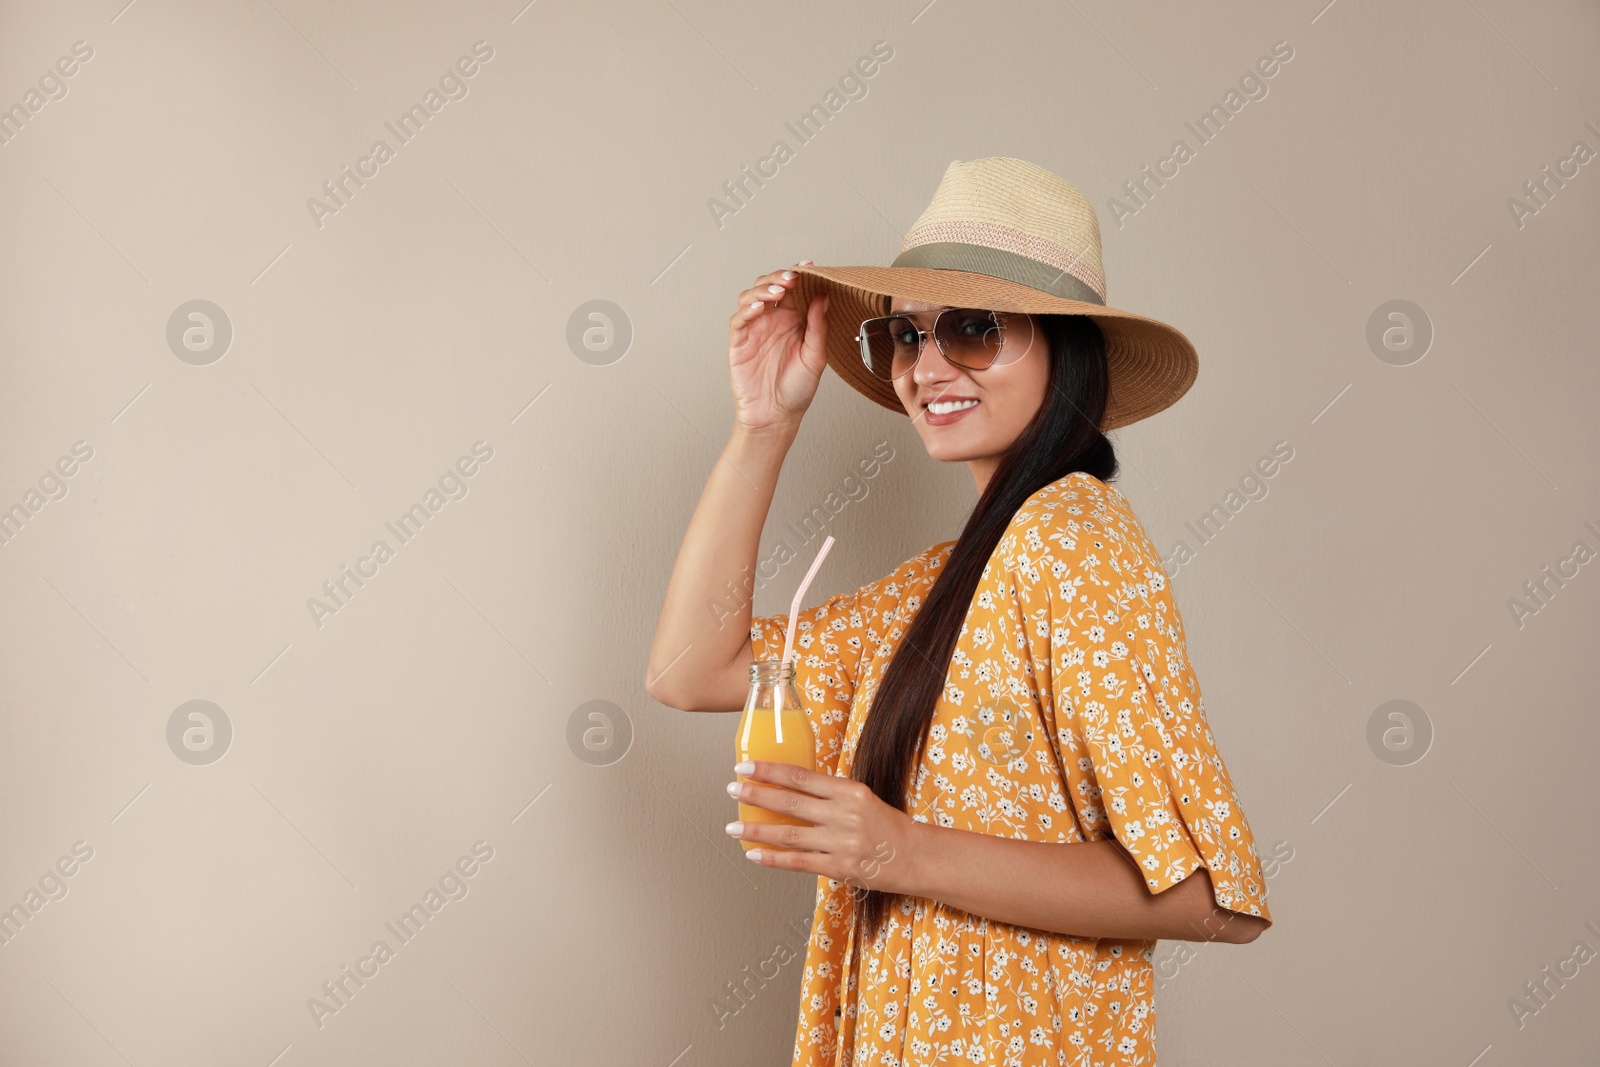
(1151, 363)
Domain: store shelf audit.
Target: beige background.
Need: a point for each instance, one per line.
(368, 354)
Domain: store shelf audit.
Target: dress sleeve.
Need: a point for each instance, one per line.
(829, 639)
(1123, 709)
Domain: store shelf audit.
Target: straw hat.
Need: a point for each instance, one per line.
(1005, 235)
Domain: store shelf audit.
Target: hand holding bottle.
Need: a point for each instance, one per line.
(775, 728)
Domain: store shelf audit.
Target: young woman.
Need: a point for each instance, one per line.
(1017, 792)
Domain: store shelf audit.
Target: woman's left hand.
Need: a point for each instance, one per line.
(856, 838)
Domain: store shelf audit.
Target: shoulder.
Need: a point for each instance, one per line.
(912, 579)
(1070, 508)
(1073, 501)
(1082, 523)
(881, 605)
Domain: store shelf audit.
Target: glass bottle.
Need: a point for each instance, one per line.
(774, 727)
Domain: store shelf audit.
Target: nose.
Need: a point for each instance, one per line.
(932, 368)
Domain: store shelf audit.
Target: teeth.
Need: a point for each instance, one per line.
(944, 407)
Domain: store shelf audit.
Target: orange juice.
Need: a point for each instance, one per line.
(783, 736)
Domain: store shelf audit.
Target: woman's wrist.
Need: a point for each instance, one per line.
(761, 438)
(757, 454)
(921, 856)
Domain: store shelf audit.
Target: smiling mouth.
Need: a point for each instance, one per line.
(945, 407)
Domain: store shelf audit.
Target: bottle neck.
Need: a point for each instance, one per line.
(771, 672)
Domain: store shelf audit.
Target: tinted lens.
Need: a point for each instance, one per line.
(969, 337)
(889, 346)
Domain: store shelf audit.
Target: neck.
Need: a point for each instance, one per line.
(982, 470)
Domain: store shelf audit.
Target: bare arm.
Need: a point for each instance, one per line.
(699, 660)
(1084, 888)
(1087, 889)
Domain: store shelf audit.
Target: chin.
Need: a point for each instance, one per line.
(951, 451)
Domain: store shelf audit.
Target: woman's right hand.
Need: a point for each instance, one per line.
(775, 358)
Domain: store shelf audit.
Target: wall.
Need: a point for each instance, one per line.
(353, 349)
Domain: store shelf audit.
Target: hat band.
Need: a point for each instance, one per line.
(998, 263)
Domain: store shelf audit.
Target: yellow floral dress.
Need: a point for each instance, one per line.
(1070, 713)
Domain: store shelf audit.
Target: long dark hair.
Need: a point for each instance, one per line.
(1064, 436)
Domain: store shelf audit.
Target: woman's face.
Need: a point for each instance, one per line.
(992, 406)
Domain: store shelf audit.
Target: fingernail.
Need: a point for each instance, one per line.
(755, 305)
(733, 788)
(735, 828)
(786, 275)
(805, 263)
(747, 767)
(754, 855)
(774, 288)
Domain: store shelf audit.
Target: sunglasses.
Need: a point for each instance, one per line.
(970, 338)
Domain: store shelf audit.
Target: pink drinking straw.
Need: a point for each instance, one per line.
(788, 638)
(794, 608)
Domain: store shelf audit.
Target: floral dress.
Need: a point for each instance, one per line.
(1070, 713)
